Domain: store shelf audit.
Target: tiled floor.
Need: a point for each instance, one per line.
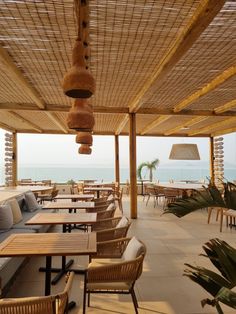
(162, 288)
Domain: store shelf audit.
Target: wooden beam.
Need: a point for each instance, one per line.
(186, 124)
(26, 122)
(224, 131)
(213, 126)
(132, 167)
(117, 160)
(220, 79)
(57, 121)
(121, 110)
(17, 76)
(211, 146)
(202, 17)
(154, 123)
(122, 124)
(7, 127)
(225, 107)
(25, 86)
(14, 159)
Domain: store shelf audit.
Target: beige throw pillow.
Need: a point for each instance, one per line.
(6, 217)
(16, 211)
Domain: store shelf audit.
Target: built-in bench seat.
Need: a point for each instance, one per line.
(9, 266)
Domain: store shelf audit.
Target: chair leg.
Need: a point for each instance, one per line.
(135, 302)
(209, 214)
(88, 298)
(85, 291)
(221, 219)
(148, 200)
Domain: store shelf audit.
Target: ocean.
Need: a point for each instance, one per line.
(64, 173)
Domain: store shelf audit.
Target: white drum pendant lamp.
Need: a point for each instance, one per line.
(184, 152)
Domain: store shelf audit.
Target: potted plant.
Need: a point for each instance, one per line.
(221, 254)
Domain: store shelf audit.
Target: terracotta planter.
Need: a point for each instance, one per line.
(84, 138)
(85, 149)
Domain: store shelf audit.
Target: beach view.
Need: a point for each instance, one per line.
(117, 157)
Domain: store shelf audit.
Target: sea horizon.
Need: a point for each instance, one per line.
(63, 174)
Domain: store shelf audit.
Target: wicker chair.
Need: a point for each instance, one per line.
(52, 304)
(47, 197)
(118, 198)
(117, 276)
(110, 229)
(108, 213)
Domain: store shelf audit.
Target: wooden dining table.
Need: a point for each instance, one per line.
(66, 220)
(49, 245)
(69, 205)
(75, 197)
(98, 189)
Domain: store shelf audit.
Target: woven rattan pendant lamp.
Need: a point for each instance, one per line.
(80, 117)
(85, 149)
(84, 138)
(184, 152)
(78, 82)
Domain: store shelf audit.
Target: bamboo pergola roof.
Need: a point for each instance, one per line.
(172, 62)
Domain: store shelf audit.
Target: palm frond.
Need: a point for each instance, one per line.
(139, 170)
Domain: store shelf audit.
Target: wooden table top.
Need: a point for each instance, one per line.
(49, 244)
(25, 188)
(61, 218)
(75, 196)
(69, 205)
(102, 188)
(182, 186)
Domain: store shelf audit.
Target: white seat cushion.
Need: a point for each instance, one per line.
(111, 206)
(122, 223)
(133, 249)
(110, 197)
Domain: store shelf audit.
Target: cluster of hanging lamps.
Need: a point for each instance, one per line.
(78, 83)
(9, 159)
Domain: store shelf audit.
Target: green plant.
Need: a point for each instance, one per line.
(211, 196)
(71, 182)
(150, 166)
(223, 257)
(221, 254)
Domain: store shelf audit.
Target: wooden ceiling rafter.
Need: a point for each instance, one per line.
(186, 124)
(7, 127)
(225, 107)
(122, 124)
(224, 131)
(203, 16)
(122, 110)
(210, 86)
(17, 76)
(213, 126)
(25, 121)
(154, 124)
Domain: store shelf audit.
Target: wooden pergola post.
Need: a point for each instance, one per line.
(117, 160)
(212, 175)
(132, 163)
(14, 159)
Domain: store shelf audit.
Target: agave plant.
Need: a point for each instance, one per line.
(223, 257)
(150, 166)
(211, 196)
(221, 254)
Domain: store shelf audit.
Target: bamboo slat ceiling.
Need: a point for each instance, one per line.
(172, 62)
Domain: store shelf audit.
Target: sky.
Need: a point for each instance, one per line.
(34, 149)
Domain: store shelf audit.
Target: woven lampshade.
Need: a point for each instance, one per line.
(78, 82)
(80, 117)
(85, 149)
(184, 152)
(84, 138)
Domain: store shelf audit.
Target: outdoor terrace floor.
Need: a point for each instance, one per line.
(162, 289)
